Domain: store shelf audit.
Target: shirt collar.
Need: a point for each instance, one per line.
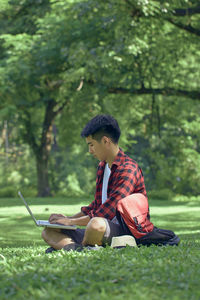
(117, 161)
(118, 158)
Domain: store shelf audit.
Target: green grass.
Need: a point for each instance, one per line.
(131, 273)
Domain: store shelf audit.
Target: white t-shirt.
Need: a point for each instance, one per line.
(106, 177)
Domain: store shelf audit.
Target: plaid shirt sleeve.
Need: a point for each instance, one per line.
(86, 209)
(125, 182)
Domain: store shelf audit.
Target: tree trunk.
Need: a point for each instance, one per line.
(42, 148)
(5, 139)
(42, 157)
(42, 177)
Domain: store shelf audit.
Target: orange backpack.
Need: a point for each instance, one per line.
(134, 210)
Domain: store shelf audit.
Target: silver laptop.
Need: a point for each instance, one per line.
(42, 222)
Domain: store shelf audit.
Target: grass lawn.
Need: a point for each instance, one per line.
(130, 273)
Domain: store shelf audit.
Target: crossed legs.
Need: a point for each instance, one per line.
(56, 239)
(93, 235)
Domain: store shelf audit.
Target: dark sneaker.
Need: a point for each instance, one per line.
(79, 248)
(50, 250)
(93, 248)
(73, 247)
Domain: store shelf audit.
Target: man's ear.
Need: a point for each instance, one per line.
(105, 140)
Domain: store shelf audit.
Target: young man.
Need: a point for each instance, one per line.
(118, 176)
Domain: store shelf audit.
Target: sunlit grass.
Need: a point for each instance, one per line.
(19, 229)
(142, 273)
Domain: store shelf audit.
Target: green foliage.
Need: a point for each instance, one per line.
(16, 163)
(20, 16)
(120, 57)
(72, 171)
(164, 194)
(184, 198)
(7, 192)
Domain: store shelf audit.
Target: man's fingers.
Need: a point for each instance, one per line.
(55, 217)
(52, 217)
(64, 221)
(57, 221)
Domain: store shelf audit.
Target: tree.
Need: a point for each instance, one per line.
(100, 54)
(26, 88)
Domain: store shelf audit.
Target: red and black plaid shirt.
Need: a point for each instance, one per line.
(125, 179)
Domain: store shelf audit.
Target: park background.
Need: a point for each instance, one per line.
(61, 63)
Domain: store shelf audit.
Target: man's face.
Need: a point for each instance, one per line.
(97, 149)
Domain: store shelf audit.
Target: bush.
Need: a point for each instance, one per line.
(162, 194)
(11, 191)
(184, 198)
(8, 192)
(29, 191)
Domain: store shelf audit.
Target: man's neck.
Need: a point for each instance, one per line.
(112, 155)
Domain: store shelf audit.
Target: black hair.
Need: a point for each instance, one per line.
(102, 125)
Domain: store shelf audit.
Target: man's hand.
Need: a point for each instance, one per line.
(62, 220)
(79, 219)
(54, 217)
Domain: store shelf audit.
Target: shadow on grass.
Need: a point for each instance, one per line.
(166, 203)
(8, 202)
(185, 225)
(20, 232)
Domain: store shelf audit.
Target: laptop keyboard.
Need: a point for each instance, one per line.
(42, 222)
